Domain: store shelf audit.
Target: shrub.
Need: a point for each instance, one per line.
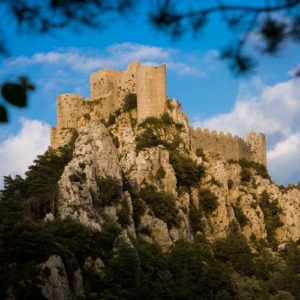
(167, 119)
(235, 250)
(187, 172)
(109, 191)
(240, 216)
(152, 122)
(177, 140)
(74, 178)
(271, 212)
(260, 169)
(245, 175)
(199, 152)
(147, 139)
(111, 120)
(215, 182)
(170, 105)
(130, 102)
(230, 184)
(139, 209)
(208, 201)
(124, 214)
(179, 126)
(87, 117)
(162, 204)
(195, 218)
(133, 120)
(161, 173)
(81, 165)
(116, 142)
(146, 230)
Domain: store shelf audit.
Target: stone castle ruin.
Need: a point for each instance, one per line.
(108, 90)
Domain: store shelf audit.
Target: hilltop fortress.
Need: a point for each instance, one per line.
(108, 89)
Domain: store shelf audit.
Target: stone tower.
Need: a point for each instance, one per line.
(151, 91)
(257, 143)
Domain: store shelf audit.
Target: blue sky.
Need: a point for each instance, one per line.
(267, 100)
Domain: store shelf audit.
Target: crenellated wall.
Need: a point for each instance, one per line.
(229, 146)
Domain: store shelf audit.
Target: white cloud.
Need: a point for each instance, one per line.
(284, 160)
(18, 152)
(274, 111)
(114, 56)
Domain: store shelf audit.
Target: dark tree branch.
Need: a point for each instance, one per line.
(265, 20)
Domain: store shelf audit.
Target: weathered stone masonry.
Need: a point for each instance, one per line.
(108, 89)
(231, 147)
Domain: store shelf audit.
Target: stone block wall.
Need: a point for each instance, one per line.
(257, 143)
(229, 146)
(151, 91)
(108, 90)
(111, 86)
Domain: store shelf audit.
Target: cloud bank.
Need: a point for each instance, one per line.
(275, 110)
(18, 152)
(114, 56)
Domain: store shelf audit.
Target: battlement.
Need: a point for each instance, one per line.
(231, 146)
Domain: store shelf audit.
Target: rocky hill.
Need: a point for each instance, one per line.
(131, 210)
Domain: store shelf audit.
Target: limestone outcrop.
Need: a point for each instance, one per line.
(141, 158)
(54, 279)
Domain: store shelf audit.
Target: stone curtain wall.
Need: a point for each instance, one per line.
(229, 146)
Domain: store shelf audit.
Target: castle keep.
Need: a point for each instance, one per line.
(108, 90)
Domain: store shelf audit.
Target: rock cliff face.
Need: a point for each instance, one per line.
(148, 180)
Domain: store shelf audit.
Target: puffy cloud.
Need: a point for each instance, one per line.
(284, 160)
(114, 56)
(275, 110)
(18, 152)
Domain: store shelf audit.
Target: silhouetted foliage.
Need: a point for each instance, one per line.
(274, 22)
(16, 94)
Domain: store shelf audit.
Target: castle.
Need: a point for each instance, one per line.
(108, 89)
